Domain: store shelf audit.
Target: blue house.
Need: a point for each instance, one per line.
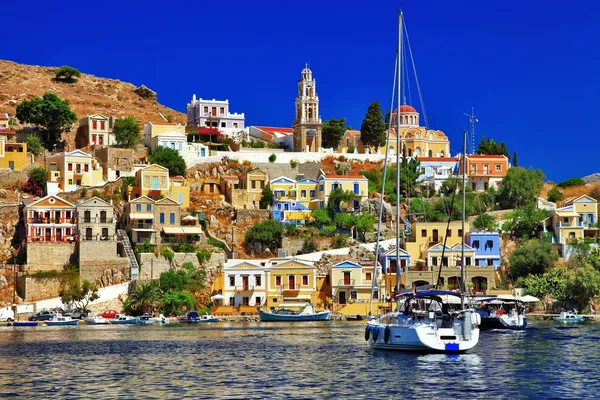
(389, 260)
(487, 248)
(290, 212)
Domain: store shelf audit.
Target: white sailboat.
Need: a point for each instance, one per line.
(429, 320)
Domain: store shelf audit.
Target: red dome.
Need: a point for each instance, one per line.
(405, 109)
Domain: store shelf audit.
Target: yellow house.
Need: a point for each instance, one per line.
(357, 184)
(283, 188)
(290, 280)
(352, 282)
(306, 193)
(13, 156)
(578, 218)
(70, 170)
(423, 235)
(154, 181)
(153, 129)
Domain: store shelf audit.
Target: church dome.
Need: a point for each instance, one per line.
(405, 109)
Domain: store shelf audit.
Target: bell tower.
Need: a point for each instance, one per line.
(307, 125)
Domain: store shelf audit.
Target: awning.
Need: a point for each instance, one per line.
(566, 213)
(217, 297)
(141, 216)
(529, 299)
(182, 230)
(299, 297)
(189, 218)
(143, 230)
(292, 304)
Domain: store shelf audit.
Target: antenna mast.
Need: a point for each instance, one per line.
(472, 120)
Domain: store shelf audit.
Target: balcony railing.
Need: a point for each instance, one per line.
(143, 226)
(345, 282)
(244, 288)
(284, 288)
(97, 220)
(40, 220)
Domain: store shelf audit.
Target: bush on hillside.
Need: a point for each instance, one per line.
(571, 183)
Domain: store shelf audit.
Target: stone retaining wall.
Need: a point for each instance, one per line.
(49, 256)
(99, 262)
(34, 289)
(151, 265)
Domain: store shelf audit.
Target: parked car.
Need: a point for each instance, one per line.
(109, 314)
(77, 314)
(7, 314)
(42, 316)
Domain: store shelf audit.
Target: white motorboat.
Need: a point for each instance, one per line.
(96, 320)
(501, 313)
(161, 319)
(145, 319)
(60, 320)
(122, 319)
(208, 318)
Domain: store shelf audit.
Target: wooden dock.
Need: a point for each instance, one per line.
(547, 317)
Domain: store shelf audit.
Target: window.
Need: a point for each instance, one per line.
(303, 193)
(467, 260)
(101, 139)
(445, 261)
(489, 244)
(304, 280)
(105, 232)
(101, 124)
(94, 124)
(172, 219)
(313, 194)
(180, 198)
(423, 232)
(231, 280)
(262, 184)
(245, 301)
(223, 125)
(86, 168)
(232, 301)
(356, 188)
(460, 233)
(473, 187)
(253, 184)
(449, 232)
(566, 220)
(486, 169)
(257, 301)
(70, 167)
(277, 280)
(214, 111)
(155, 182)
(498, 167)
(147, 180)
(368, 276)
(376, 294)
(434, 261)
(485, 186)
(475, 244)
(353, 295)
(162, 218)
(138, 207)
(163, 180)
(473, 169)
(206, 109)
(93, 138)
(222, 110)
(70, 181)
(148, 207)
(235, 124)
(258, 280)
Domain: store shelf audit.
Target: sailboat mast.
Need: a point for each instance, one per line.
(462, 250)
(398, 150)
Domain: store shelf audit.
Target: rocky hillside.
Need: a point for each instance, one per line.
(88, 95)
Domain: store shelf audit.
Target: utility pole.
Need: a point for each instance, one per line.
(472, 120)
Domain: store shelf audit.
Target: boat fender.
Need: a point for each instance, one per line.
(367, 333)
(375, 334)
(476, 319)
(386, 334)
(499, 313)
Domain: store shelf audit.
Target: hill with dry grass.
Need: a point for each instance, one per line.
(88, 95)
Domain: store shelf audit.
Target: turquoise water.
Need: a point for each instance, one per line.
(293, 361)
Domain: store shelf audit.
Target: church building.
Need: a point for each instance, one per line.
(418, 140)
(307, 125)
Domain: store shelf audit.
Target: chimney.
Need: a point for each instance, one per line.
(194, 98)
(281, 253)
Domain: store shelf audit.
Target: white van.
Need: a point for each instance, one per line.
(7, 314)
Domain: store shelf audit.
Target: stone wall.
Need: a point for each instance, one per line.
(291, 246)
(34, 289)
(100, 262)
(151, 265)
(49, 256)
(9, 218)
(245, 216)
(12, 180)
(243, 200)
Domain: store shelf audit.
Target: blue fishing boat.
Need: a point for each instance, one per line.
(293, 312)
(568, 317)
(25, 323)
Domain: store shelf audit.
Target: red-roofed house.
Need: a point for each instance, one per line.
(4, 121)
(484, 171)
(357, 184)
(271, 134)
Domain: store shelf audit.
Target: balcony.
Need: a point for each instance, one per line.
(244, 288)
(306, 121)
(288, 288)
(97, 220)
(345, 283)
(143, 226)
(58, 221)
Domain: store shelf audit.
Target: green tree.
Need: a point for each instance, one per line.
(520, 186)
(533, 257)
(552, 282)
(484, 222)
(272, 158)
(372, 130)
(36, 182)
(514, 160)
(321, 216)
(267, 234)
(174, 302)
(80, 294)
(143, 299)
(345, 221)
(67, 74)
(51, 116)
(365, 224)
(127, 132)
(388, 116)
(332, 132)
(409, 173)
(34, 146)
(525, 222)
(572, 182)
(555, 195)
(168, 158)
(338, 200)
(450, 185)
(491, 147)
(176, 280)
(583, 284)
(309, 246)
(266, 198)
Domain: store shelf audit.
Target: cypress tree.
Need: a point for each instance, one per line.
(372, 130)
(514, 160)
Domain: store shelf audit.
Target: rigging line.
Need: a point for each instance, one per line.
(398, 148)
(416, 79)
(385, 161)
(445, 241)
(406, 79)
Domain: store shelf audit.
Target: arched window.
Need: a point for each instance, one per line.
(430, 153)
(410, 152)
(442, 153)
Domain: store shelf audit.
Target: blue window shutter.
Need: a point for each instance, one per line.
(172, 219)
(162, 218)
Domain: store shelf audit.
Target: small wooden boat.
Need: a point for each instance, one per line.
(24, 323)
(568, 317)
(293, 312)
(60, 320)
(123, 319)
(96, 320)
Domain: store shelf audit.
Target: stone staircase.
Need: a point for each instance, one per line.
(134, 267)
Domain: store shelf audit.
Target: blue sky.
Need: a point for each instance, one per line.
(530, 68)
